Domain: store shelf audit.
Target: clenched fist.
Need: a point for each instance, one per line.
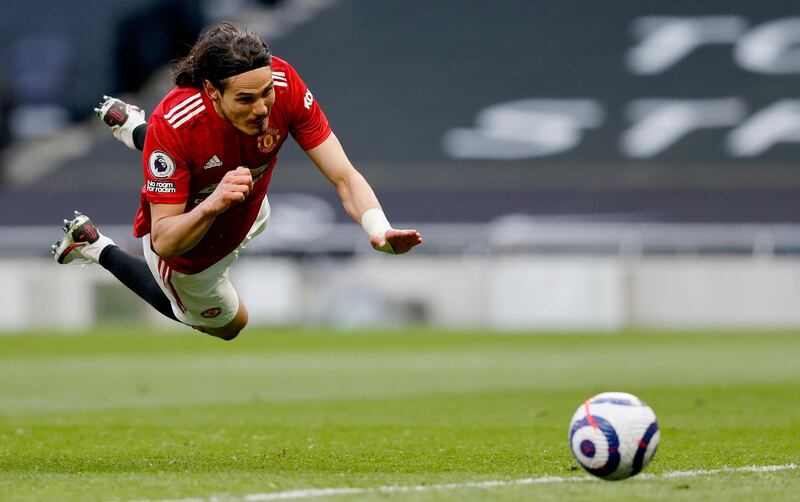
(234, 188)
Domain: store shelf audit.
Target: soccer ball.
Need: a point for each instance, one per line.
(613, 435)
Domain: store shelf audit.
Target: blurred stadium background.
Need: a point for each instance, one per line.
(571, 165)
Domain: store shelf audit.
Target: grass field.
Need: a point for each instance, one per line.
(127, 414)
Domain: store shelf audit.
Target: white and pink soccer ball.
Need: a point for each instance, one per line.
(614, 435)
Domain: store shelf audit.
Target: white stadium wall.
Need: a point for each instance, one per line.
(536, 293)
(556, 293)
(38, 295)
(720, 292)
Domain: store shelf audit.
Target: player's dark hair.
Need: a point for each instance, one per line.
(222, 51)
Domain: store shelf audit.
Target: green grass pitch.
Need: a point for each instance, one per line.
(129, 414)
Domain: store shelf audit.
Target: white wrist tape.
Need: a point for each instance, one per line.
(373, 221)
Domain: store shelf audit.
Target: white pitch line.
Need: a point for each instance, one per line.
(723, 470)
(309, 493)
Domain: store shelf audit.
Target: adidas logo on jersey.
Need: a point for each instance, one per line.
(213, 162)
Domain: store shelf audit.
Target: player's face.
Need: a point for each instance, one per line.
(246, 101)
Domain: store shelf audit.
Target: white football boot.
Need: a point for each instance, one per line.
(121, 117)
(82, 242)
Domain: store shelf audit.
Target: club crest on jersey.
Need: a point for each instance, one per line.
(269, 140)
(161, 164)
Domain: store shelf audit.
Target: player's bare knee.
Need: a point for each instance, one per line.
(228, 335)
(232, 330)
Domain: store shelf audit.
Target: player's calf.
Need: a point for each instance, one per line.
(83, 243)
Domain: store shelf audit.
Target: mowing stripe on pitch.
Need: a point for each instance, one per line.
(332, 492)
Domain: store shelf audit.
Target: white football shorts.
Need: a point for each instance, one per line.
(207, 298)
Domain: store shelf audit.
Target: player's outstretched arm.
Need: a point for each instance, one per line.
(359, 199)
(126, 121)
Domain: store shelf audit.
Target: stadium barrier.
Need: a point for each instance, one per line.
(515, 273)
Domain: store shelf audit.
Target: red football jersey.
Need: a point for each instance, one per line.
(189, 148)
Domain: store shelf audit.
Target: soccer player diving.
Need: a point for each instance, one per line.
(209, 150)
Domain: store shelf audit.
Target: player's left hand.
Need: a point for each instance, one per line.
(396, 241)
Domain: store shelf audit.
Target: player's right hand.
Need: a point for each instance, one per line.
(234, 188)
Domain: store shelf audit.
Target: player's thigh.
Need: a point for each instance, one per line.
(208, 298)
(204, 299)
(232, 329)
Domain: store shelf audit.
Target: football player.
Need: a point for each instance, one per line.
(209, 151)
